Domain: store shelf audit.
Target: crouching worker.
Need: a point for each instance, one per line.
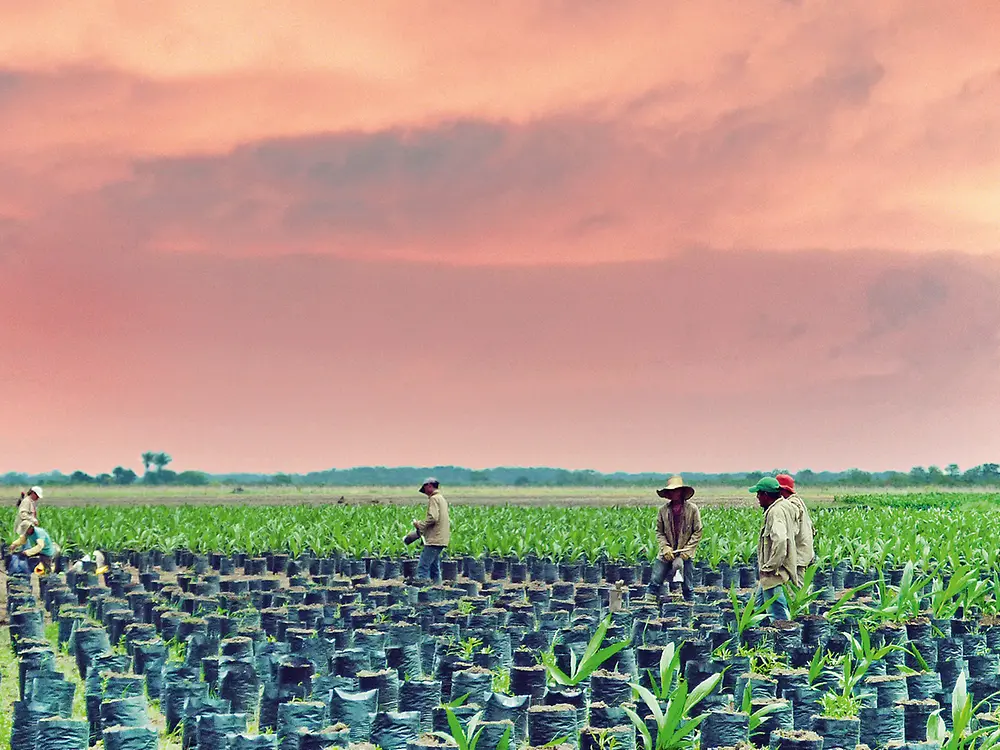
(39, 547)
(98, 560)
(678, 531)
(435, 529)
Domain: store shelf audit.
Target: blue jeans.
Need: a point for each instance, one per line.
(662, 568)
(778, 609)
(429, 565)
(19, 565)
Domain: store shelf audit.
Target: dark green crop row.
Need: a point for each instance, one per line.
(862, 535)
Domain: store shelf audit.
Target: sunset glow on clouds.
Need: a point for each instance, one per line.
(613, 235)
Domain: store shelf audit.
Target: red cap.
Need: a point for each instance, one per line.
(786, 482)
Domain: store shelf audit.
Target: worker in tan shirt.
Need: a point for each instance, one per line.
(805, 554)
(27, 510)
(678, 532)
(776, 559)
(435, 529)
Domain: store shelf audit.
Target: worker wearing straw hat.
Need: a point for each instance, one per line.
(678, 531)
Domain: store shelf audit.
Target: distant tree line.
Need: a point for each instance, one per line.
(118, 476)
(156, 473)
(985, 474)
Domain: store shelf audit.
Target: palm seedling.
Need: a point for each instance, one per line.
(591, 660)
(670, 704)
(468, 737)
(962, 736)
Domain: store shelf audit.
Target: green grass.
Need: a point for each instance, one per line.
(8, 687)
(920, 500)
(66, 664)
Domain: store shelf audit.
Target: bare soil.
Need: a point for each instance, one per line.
(532, 496)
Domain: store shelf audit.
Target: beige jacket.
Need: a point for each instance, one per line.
(436, 528)
(685, 543)
(776, 555)
(804, 552)
(27, 515)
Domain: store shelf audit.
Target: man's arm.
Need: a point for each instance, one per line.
(36, 549)
(18, 543)
(433, 515)
(689, 549)
(666, 551)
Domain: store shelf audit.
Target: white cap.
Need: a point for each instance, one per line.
(37, 490)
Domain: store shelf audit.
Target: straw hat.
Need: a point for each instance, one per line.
(676, 482)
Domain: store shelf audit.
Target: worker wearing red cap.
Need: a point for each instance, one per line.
(805, 554)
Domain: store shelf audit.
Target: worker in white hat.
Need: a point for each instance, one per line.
(27, 510)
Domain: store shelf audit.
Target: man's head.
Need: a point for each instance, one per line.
(29, 530)
(429, 486)
(767, 490)
(676, 492)
(35, 493)
(787, 484)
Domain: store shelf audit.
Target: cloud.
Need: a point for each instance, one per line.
(562, 227)
(897, 297)
(824, 162)
(384, 191)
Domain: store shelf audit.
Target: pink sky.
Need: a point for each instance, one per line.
(612, 235)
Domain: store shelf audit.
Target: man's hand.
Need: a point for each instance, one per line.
(667, 555)
(416, 524)
(30, 553)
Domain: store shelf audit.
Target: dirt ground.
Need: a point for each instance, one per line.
(263, 495)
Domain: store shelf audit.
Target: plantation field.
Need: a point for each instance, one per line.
(300, 625)
(865, 536)
(464, 495)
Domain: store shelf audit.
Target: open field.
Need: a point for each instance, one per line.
(301, 624)
(464, 495)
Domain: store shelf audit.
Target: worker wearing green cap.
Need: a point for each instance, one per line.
(776, 558)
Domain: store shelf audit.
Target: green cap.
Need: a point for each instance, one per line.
(766, 484)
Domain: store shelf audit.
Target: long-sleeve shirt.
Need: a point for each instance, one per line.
(37, 543)
(776, 554)
(27, 515)
(679, 538)
(804, 551)
(436, 527)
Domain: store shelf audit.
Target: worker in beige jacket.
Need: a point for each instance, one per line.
(435, 529)
(27, 510)
(678, 532)
(805, 554)
(776, 557)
